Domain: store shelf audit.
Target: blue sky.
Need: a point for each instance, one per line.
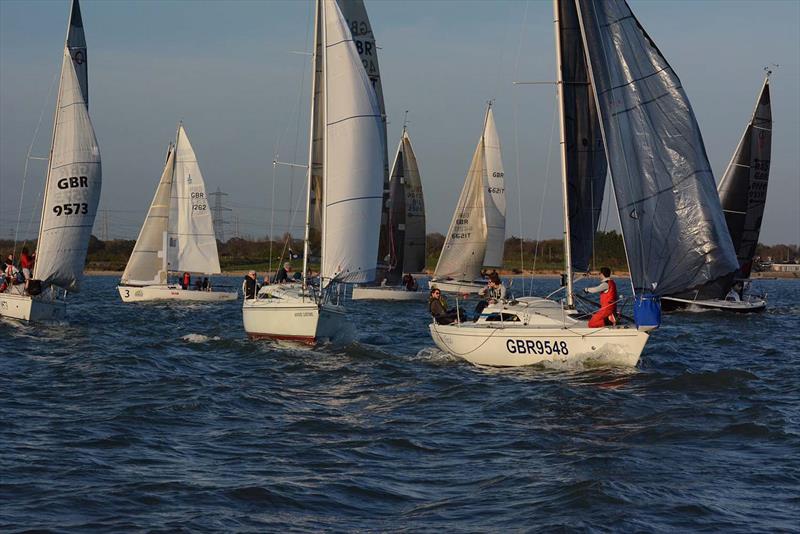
(230, 70)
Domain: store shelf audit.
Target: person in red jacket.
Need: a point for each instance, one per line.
(187, 279)
(607, 314)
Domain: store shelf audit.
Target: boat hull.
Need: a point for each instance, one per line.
(168, 293)
(515, 346)
(26, 308)
(291, 317)
(388, 293)
(748, 305)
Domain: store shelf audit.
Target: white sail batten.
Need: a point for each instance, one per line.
(192, 243)
(72, 191)
(495, 192)
(353, 161)
(465, 245)
(147, 261)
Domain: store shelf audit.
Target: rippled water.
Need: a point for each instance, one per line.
(164, 417)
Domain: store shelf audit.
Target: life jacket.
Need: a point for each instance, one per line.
(186, 279)
(608, 299)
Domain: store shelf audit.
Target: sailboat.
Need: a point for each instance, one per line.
(743, 195)
(71, 194)
(345, 181)
(476, 236)
(406, 229)
(616, 93)
(177, 235)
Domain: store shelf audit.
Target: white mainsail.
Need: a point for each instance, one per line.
(465, 245)
(147, 263)
(353, 166)
(495, 191)
(74, 176)
(192, 243)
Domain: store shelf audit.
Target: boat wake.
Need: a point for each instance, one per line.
(199, 338)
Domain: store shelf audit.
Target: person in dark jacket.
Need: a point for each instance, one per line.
(437, 305)
(250, 285)
(282, 276)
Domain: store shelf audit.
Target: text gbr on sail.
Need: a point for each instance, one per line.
(73, 181)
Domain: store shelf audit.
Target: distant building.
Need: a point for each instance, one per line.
(786, 267)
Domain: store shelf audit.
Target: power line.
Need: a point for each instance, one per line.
(218, 218)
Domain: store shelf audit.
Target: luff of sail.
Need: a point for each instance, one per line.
(353, 159)
(355, 13)
(192, 243)
(74, 175)
(585, 158)
(673, 227)
(147, 261)
(495, 195)
(743, 188)
(465, 244)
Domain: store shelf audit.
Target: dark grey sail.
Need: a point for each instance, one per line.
(397, 222)
(743, 188)
(585, 160)
(76, 43)
(674, 230)
(355, 13)
(414, 254)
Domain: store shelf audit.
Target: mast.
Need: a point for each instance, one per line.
(311, 144)
(563, 145)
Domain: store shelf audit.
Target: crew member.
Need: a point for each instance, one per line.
(250, 285)
(607, 314)
(282, 276)
(187, 279)
(437, 305)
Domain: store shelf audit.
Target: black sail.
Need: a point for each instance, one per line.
(674, 230)
(743, 188)
(586, 166)
(397, 221)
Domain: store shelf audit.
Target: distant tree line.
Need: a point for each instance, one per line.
(519, 254)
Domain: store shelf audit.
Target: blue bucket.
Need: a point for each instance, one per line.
(647, 311)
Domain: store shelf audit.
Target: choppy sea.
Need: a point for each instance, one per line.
(166, 418)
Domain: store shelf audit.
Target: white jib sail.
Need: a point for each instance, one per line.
(495, 194)
(147, 262)
(72, 191)
(192, 244)
(465, 243)
(354, 154)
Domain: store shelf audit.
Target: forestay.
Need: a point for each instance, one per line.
(354, 159)
(465, 244)
(495, 193)
(72, 190)
(192, 244)
(147, 261)
(674, 230)
(585, 158)
(743, 189)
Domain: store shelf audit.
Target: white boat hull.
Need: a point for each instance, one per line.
(174, 293)
(388, 293)
(34, 309)
(748, 305)
(457, 286)
(286, 314)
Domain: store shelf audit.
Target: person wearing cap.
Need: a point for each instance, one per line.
(250, 285)
(282, 276)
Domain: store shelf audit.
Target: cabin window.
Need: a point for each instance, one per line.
(504, 317)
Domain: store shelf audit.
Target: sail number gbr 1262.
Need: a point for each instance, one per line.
(531, 346)
(73, 208)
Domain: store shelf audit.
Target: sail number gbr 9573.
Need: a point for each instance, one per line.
(537, 346)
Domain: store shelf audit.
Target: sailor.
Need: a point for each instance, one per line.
(437, 305)
(186, 280)
(282, 276)
(409, 282)
(734, 295)
(494, 292)
(26, 263)
(250, 285)
(206, 284)
(607, 288)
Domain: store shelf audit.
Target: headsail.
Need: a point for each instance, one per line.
(74, 175)
(353, 158)
(397, 219)
(414, 249)
(674, 230)
(495, 192)
(355, 13)
(147, 263)
(743, 188)
(585, 158)
(192, 244)
(465, 244)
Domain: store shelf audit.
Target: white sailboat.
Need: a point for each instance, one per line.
(71, 194)
(177, 235)
(476, 236)
(345, 192)
(743, 195)
(406, 230)
(618, 95)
